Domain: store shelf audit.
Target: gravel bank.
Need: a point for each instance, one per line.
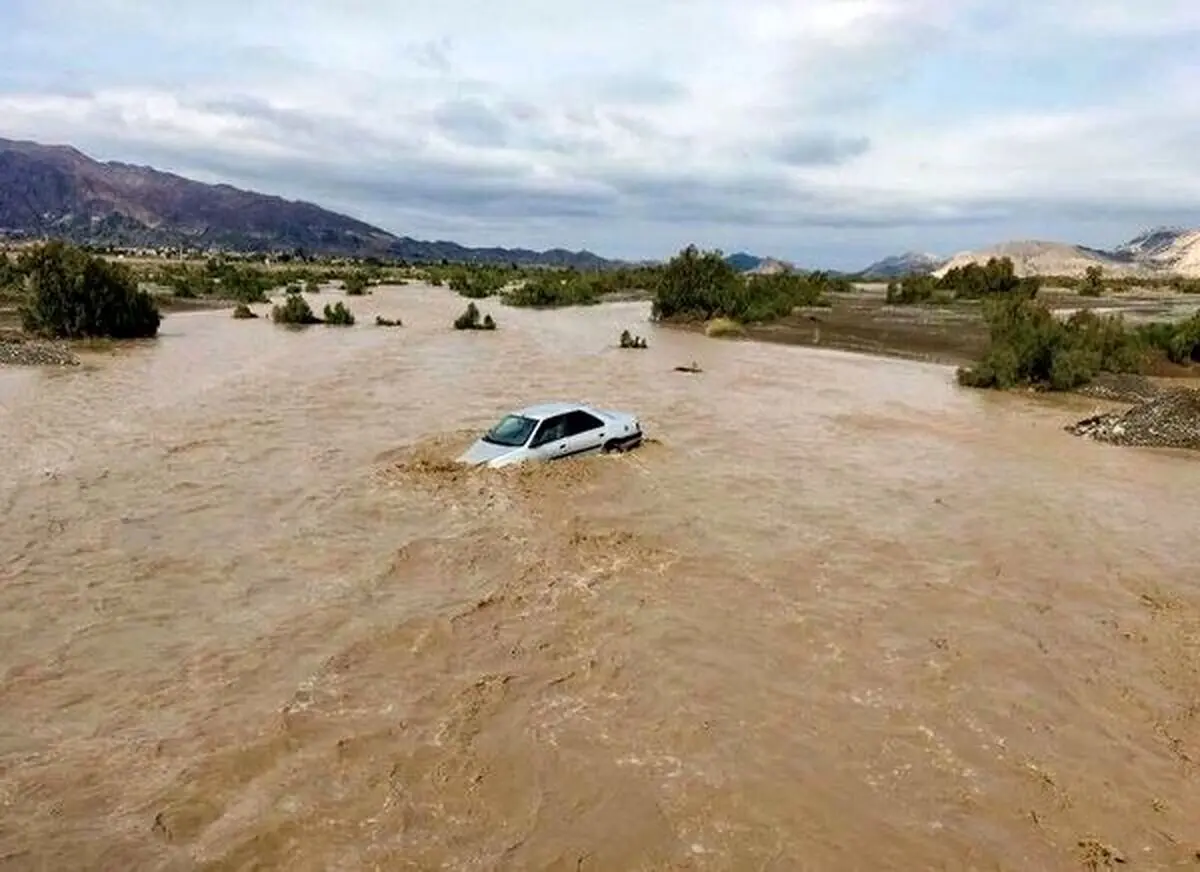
(19, 350)
(1170, 420)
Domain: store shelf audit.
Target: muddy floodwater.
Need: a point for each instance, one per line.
(837, 614)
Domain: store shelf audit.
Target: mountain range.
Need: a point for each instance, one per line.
(57, 190)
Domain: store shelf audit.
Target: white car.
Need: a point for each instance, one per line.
(552, 431)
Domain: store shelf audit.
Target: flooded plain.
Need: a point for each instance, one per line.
(837, 614)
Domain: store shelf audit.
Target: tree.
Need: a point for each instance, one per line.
(1093, 282)
(697, 285)
(73, 295)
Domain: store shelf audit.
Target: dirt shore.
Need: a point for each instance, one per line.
(953, 334)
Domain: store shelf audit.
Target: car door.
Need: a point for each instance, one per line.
(550, 440)
(584, 431)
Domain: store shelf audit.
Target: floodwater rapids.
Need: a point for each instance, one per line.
(837, 613)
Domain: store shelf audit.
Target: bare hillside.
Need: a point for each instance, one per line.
(1033, 257)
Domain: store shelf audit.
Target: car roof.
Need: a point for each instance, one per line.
(546, 410)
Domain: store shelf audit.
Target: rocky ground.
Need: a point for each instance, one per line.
(1169, 419)
(19, 350)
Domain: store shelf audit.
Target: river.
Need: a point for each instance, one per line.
(837, 614)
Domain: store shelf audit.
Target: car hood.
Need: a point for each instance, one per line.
(484, 452)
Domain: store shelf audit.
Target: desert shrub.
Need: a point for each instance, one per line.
(470, 320)
(628, 340)
(696, 285)
(242, 312)
(72, 294)
(9, 274)
(355, 284)
(552, 288)
(381, 321)
(702, 286)
(295, 311)
(478, 282)
(1093, 282)
(1179, 341)
(1027, 345)
(337, 315)
(312, 286)
(912, 289)
(996, 277)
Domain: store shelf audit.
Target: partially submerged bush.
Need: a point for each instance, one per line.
(294, 310)
(470, 320)
(75, 295)
(628, 340)
(355, 284)
(242, 312)
(478, 282)
(337, 315)
(553, 288)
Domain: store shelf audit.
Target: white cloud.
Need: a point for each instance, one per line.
(745, 121)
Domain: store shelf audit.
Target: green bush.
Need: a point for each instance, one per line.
(470, 320)
(996, 277)
(294, 311)
(628, 340)
(970, 282)
(72, 294)
(1093, 282)
(337, 315)
(355, 284)
(912, 289)
(1179, 342)
(1027, 345)
(312, 286)
(699, 286)
(242, 312)
(553, 288)
(478, 282)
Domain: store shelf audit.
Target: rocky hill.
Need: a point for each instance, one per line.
(1172, 249)
(1159, 252)
(51, 190)
(899, 265)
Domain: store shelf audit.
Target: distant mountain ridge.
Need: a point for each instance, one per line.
(1158, 252)
(900, 265)
(57, 190)
(752, 263)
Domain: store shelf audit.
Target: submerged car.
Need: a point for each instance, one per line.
(552, 431)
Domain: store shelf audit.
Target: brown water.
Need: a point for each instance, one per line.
(840, 615)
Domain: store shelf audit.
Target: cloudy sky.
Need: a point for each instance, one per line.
(831, 132)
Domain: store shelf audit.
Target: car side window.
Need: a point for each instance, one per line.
(550, 430)
(580, 421)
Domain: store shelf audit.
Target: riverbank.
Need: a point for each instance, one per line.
(953, 334)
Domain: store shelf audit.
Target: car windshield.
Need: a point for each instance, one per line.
(511, 432)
